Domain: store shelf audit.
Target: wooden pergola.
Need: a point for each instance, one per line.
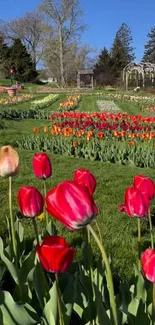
(87, 73)
(142, 69)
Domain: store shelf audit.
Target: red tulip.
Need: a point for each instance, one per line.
(136, 204)
(71, 204)
(42, 166)
(148, 264)
(144, 185)
(30, 201)
(85, 177)
(54, 254)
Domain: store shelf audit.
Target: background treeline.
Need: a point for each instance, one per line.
(49, 39)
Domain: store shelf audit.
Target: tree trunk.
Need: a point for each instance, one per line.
(34, 58)
(61, 58)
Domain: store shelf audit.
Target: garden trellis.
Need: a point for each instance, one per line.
(139, 71)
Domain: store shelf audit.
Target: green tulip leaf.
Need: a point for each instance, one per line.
(140, 285)
(10, 266)
(68, 298)
(141, 316)
(50, 310)
(27, 266)
(53, 295)
(19, 229)
(133, 306)
(2, 270)
(12, 313)
(40, 285)
(51, 228)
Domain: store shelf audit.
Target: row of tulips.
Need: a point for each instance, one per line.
(10, 114)
(15, 100)
(149, 108)
(133, 152)
(45, 289)
(125, 97)
(94, 134)
(44, 102)
(70, 104)
(103, 121)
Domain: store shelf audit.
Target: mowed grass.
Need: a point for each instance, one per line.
(119, 232)
(88, 104)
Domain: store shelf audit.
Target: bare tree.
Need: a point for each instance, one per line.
(65, 18)
(74, 58)
(29, 29)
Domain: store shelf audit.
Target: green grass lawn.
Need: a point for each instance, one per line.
(119, 232)
(88, 104)
(130, 108)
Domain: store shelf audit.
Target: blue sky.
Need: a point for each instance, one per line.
(103, 18)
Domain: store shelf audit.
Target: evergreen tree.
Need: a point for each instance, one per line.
(4, 58)
(149, 53)
(103, 68)
(118, 57)
(125, 37)
(122, 51)
(21, 60)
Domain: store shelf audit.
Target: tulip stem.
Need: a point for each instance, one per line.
(45, 192)
(90, 261)
(153, 305)
(61, 322)
(151, 228)
(13, 237)
(36, 230)
(139, 244)
(108, 275)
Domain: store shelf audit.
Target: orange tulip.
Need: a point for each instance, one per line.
(35, 129)
(131, 143)
(9, 161)
(45, 129)
(75, 143)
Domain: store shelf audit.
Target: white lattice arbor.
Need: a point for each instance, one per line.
(141, 69)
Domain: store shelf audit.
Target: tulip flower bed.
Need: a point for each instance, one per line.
(10, 114)
(132, 125)
(45, 102)
(42, 284)
(149, 108)
(107, 106)
(125, 97)
(110, 137)
(3, 89)
(15, 100)
(123, 152)
(70, 104)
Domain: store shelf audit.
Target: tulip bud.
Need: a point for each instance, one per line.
(71, 204)
(85, 177)
(42, 166)
(144, 185)
(136, 204)
(148, 264)
(9, 161)
(30, 201)
(55, 254)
